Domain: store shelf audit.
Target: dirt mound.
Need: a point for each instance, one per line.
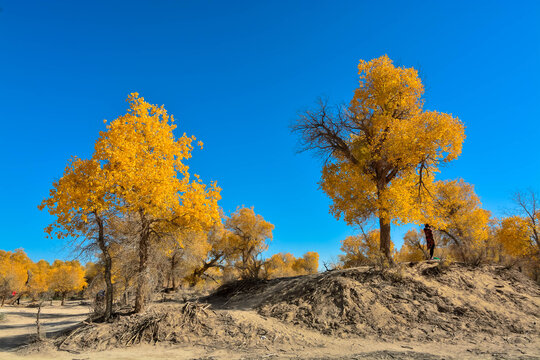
(424, 301)
(469, 309)
(188, 323)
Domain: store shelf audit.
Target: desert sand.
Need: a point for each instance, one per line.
(419, 311)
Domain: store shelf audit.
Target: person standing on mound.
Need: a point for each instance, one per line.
(429, 240)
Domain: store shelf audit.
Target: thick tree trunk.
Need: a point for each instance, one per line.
(63, 299)
(141, 280)
(108, 266)
(108, 286)
(384, 232)
(144, 240)
(384, 222)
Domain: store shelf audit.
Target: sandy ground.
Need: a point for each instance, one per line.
(19, 327)
(20, 324)
(424, 312)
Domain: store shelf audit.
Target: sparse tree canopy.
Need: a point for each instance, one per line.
(382, 151)
(460, 219)
(520, 234)
(413, 248)
(362, 249)
(250, 233)
(83, 205)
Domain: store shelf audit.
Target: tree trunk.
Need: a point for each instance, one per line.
(38, 325)
(3, 300)
(108, 266)
(63, 299)
(108, 285)
(144, 240)
(173, 265)
(384, 233)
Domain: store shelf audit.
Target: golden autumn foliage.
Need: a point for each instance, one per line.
(249, 236)
(137, 172)
(66, 277)
(81, 193)
(221, 249)
(414, 247)
(144, 165)
(517, 236)
(13, 273)
(145, 170)
(520, 234)
(39, 279)
(461, 221)
(362, 249)
(285, 264)
(82, 205)
(383, 150)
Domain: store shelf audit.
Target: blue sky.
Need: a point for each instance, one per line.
(235, 74)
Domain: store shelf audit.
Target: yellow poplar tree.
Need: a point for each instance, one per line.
(516, 236)
(461, 221)
(38, 282)
(307, 264)
(82, 205)
(520, 235)
(282, 265)
(220, 247)
(66, 277)
(413, 248)
(382, 151)
(13, 273)
(362, 249)
(145, 170)
(250, 233)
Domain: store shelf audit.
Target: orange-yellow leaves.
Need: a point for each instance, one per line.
(144, 167)
(387, 88)
(138, 165)
(515, 234)
(361, 249)
(66, 277)
(81, 191)
(281, 265)
(394, 148)
(13, 272)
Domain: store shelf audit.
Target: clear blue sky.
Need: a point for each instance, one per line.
(235, 74)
